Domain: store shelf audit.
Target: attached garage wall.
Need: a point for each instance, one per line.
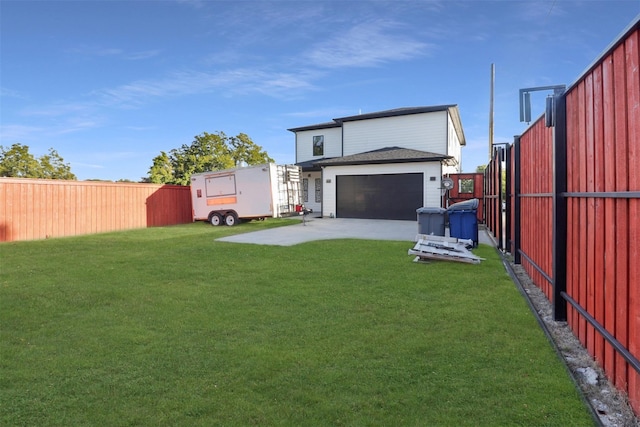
(431, 189)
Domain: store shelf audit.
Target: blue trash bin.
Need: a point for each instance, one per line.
(463, 224)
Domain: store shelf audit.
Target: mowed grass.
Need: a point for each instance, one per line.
(166, 326)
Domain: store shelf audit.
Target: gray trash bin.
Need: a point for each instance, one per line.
(431, 221)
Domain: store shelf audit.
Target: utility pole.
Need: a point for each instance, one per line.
(493, 77)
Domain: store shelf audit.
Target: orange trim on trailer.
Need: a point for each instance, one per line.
(222, 201)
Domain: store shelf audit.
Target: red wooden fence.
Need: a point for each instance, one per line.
(494, 196)
(603, 165)
(458, 193)
(38, 209)
(536, 186)
(576, 210)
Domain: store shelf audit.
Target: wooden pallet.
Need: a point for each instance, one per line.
(443, 248)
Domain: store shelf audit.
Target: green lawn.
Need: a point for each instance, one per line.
(166, 326)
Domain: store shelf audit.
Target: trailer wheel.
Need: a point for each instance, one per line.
(215, 219)
(231, 219)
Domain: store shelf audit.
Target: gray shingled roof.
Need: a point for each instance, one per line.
(384, 155)
(326, 125)
(404, 111)
(311, 165)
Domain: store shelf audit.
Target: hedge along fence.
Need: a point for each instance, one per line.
(576, 209)
(39, 209)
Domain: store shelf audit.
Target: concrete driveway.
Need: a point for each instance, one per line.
(335, 228)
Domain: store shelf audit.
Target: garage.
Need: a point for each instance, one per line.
(386, 196)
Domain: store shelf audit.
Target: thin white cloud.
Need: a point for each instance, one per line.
(105, 156)
(141, 128)
(195, 82)
(197, 4)
(95, 51)
(86, 165)
(276, 84)
(144, 54)
(366, 45)
(114, 52)
(182, 83)
(76, 125)
(9, 93)
(11, 133)
(55, 109)
(59, 124)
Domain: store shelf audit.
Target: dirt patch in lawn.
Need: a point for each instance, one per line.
(608, 403)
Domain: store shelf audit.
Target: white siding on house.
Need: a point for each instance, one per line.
(453, 149)
(424, 132)
(431, 189)
(332, 143)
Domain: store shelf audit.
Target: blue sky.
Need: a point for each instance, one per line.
(111, 84)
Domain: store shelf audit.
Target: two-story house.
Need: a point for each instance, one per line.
(381, 165)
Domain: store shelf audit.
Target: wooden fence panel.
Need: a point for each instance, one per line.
(632, 50)
(493, 200)
(39, 209)
(536, 184)
(603, 145)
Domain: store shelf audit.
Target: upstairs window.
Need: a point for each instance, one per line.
(318, 145)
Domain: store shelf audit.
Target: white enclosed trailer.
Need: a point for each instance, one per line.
(253, 192)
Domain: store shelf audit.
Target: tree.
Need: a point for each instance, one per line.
(481, 168)
(18, 162)
(53, 166)
(161, 171)
(207, 152)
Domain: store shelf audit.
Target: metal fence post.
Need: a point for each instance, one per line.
(559, 208)
(507, 205)
(517, 259)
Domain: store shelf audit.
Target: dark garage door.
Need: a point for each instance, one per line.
(393, 196)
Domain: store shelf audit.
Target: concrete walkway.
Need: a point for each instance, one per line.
(336, 228)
